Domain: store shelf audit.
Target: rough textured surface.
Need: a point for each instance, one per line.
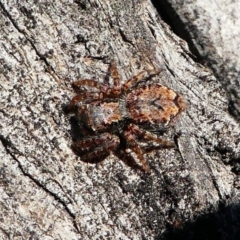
(212, 30)
(47, 192)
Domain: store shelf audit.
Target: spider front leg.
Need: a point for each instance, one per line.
(142, 76)
(84, 97)
(89, 83)
(113, 72)
(114, 91)
(96, 148)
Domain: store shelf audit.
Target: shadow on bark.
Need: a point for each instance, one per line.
(223, 224)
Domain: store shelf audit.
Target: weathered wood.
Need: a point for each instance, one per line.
(47, 192)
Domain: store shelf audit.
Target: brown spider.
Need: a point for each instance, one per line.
(116, 118)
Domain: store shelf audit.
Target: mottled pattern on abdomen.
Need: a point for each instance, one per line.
(153, 104)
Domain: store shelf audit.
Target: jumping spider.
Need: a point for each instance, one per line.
(116, 118)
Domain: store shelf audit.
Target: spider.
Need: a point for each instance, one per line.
(116, 118)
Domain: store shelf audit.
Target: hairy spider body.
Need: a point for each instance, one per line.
(101, 115)
(154, 105)
(116, 117)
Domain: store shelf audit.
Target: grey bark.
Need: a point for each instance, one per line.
(47, 192)
(212, 30)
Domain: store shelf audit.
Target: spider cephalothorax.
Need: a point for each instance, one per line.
(115, 118)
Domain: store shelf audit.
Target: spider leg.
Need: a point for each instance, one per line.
(83, 97)
(88, 82)
(108, 92)
(142, 76)
(127, 159)
(115, 90)
(96, 148)
(148, 136)
(133, 145)
(114, 74)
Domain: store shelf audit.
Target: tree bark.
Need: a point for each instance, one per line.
(213, 33)
(47, 191)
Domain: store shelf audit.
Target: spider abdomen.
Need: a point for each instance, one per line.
(154, 104)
